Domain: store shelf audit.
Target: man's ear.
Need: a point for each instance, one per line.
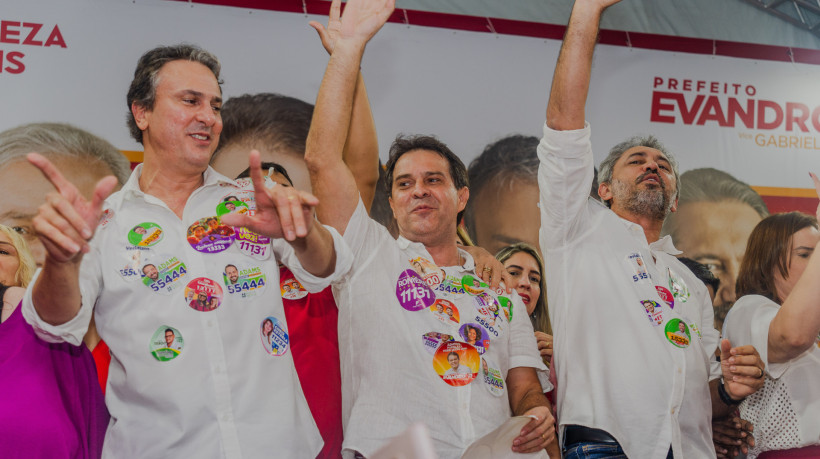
(463, 196)
(674, 207)
(605, 191)
(140, 115)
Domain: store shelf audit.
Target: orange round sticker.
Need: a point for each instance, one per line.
(456, 363)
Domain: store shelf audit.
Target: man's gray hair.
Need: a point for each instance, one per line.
(61, 139)
(143, 89)
(605, 169)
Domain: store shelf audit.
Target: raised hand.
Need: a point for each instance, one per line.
(817, 189)
(67, 221)
(281, 212)
(363, 18)
(334, 26)
(743, 370)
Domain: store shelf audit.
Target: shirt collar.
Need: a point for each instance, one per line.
(665, 244)
(210, 177)
(406, 244)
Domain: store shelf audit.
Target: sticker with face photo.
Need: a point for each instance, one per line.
(274, 336)
(163, 273)
(445, 311)
(653, 311)
(146, 234)
(428, 271)
(473, 284)
(637, 266)
(456, 363)
(209, 235)
(243, 280)
(491, 375)
(474, 335)
(203, 294)
(677, 332)
(166, 344)
(433, 340)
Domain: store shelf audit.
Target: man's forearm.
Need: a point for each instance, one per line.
(316, 251)
(56, 293)
(531, 399)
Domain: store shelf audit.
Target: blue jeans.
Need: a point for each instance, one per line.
(595, 450)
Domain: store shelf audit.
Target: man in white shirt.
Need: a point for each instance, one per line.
(389, 377)
(625, 386)
(174, 107)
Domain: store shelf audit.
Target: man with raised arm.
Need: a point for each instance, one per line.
(394, 349)
(629, 381)
(225, 393)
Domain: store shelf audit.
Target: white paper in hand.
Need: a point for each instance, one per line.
(498, 443)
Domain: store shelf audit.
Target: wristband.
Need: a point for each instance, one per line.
(725, 397)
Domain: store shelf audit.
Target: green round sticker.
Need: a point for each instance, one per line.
(146, 234)
(506, 306)
(473, 285)
(677, 332)
(166, 344)
(231, 207)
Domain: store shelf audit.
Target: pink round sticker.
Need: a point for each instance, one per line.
(666, 296)
(203, 294)
(413, 292)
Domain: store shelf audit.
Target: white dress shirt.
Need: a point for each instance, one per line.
(224, 395)
(388, 377)
(617, 367)
(786, 411)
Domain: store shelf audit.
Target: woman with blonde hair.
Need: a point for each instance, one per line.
(52, 404)
(523, 263)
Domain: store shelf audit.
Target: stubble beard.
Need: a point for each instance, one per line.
(654, 203)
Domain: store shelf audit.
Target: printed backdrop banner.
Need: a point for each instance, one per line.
(759, 120)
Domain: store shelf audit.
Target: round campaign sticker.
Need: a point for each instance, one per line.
(491, 375)
(162, 273)
(413, 293)
(209, 235)
(252, 244)
(473, 285)
(246, 197)
(666, 296)
(203, 294)
(677, 286)
(428, 271)
(678, 333)
(653, 311)
(146, 234)
(166, 344)
(487, 305)
(274, 336)
(433, 340)
(456, 363)
(130, 265)
(475, 335)
(292, 289)
(243, 281)
(450, 287)
(232, 206)
(445, 311)
(506, 306)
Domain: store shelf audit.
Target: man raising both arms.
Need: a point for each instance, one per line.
(391, 376)
(628, 382)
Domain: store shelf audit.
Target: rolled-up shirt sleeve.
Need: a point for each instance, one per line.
(314, 284)
(74, 330)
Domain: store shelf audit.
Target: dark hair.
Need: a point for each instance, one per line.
(453, 353)
(230, 266)
(280, 122)
(169, 330)
(143, 89)
(405, 144)
(702, 272)
(511, 158)
(769, 248)
(265, 166)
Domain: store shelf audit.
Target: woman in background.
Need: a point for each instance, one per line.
(779, 313)
(51, 403)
